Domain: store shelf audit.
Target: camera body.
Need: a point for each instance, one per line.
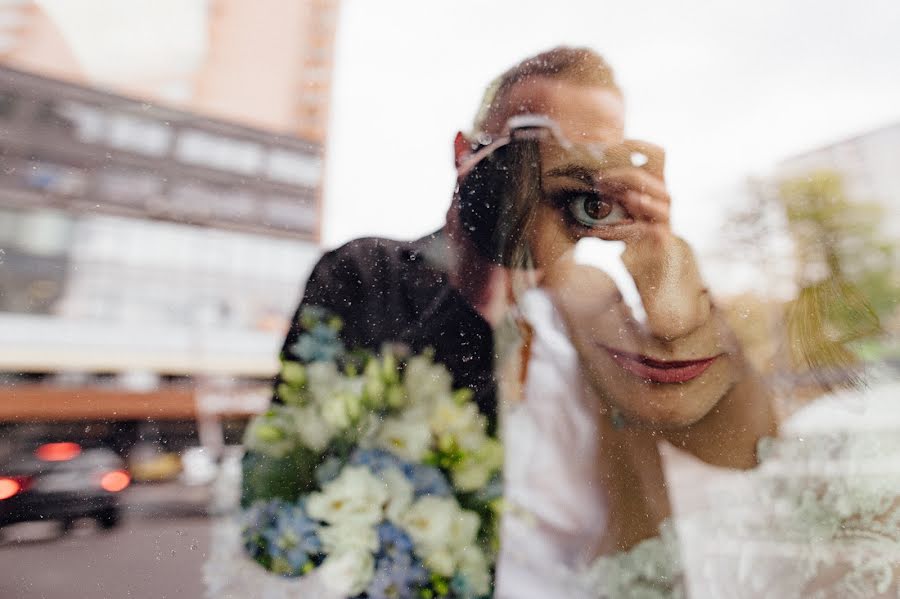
(500, 183)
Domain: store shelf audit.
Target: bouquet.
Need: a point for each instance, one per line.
(373, 474)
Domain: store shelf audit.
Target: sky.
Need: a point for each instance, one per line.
(728, 88)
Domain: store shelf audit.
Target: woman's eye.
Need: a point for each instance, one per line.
(591, 209)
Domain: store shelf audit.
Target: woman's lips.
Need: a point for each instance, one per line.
(660, 371)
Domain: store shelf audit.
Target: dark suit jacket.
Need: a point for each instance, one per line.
(393, 291)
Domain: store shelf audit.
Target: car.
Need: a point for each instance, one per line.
(62, 481)
(148, 463)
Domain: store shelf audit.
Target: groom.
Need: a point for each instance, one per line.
(438, 292)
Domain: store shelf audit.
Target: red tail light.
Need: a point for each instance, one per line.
(10, 486)
(115, 481)
(58, 452)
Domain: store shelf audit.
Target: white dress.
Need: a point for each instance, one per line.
(554, 508)
(819, 518)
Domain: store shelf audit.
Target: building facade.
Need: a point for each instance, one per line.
(867, 164)
(156, 224)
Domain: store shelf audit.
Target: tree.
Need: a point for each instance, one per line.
(844, 270)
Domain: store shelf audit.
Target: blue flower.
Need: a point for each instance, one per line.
(319, 344)
(426, 480)
(328, 470)
(398, 573)
(461, 587)
(294, 538)
(282, 533)
(255, 522)
(379, 460)
(394, 542)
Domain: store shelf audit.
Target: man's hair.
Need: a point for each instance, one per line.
(581, 66)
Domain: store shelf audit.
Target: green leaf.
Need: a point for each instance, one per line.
(293, 373)
(267, 477)
(291, 396)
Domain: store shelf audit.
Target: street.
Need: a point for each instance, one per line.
(158, 558)
(152, 554)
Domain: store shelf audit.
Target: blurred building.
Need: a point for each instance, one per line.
(265, 64)
(867, 164)
(274, 56)
(156, 222)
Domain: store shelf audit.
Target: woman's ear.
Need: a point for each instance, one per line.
(462, 149)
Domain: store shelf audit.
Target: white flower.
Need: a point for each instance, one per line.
(441, 531)
(424, 381)
(314, 432)
(324, 380)
(345, 536)
(476, 468)
(335, 413)
(473, 567)
(462, 421)
(272, 433)
(407, 437)
(441, 561)
(400, 493)
(428, 522)
(463, 531)
(348, 573)
(356, 495)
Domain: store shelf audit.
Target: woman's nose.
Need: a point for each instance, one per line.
(675, 301)
(673, 312)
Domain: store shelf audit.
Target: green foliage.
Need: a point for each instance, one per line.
(287, 477)
(845, 270)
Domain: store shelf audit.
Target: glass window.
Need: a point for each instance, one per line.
(215, 151)
(593, 300)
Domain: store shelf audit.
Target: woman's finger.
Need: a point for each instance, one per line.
(622, 179)
(645, 207)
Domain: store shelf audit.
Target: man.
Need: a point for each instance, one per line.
(439, 292)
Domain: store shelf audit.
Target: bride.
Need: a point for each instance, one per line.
(625, 387)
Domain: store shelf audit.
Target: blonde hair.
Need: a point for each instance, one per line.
(582, 66)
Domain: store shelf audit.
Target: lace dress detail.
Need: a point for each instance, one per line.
(651, 570)
(819, 518)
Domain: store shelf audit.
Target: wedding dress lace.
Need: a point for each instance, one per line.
(819, 518)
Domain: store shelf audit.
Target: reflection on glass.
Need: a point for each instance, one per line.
(579, 386)
(627, 428)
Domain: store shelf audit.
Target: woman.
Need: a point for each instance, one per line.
(597, 394)
(593, 389)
